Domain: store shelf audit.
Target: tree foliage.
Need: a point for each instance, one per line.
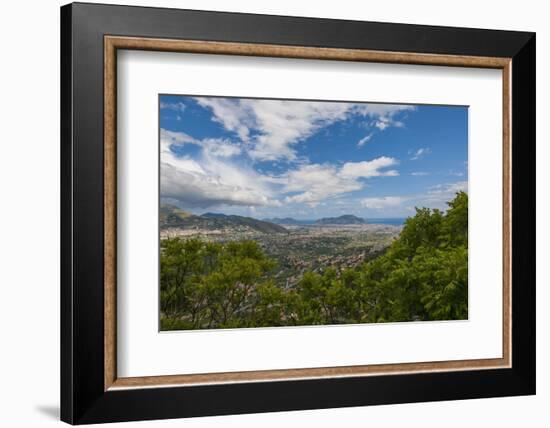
(423, 275)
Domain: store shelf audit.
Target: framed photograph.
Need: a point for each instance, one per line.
(266, 213)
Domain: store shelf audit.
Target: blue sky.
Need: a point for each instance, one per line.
(310, 159)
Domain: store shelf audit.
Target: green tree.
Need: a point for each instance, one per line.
(422, 275)
(210, 285)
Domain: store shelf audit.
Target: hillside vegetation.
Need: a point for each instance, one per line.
(173, 217)
(423, 275)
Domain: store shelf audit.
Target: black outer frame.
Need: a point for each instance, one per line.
(83, 399)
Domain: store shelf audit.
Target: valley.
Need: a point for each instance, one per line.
(296, 248)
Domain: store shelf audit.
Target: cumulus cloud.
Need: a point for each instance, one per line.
(210, 179)
(221, 147)
(213, 178)
(230, 114)
(371, 168)
(384, 115)
(316, 183)
(273, 127)
(382, 202)
(420, 153)
(201, 189)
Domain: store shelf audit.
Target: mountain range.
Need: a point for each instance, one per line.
(172, 216)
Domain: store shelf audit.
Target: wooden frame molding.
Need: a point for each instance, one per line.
(113, 43)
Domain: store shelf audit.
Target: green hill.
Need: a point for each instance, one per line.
(174, 217)
(172, 214)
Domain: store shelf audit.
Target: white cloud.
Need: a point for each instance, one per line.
(229, 113)
(448, 188)
(178, 106)
(371, 168)
(220, 147)
(210, 179)
(316, 183)
(434, 197)
(383, 202)
(384, 114)
(273, 127)
(438, 196)
(204, 189)
(419, 173)
(420, 153)
(381, 124)
(364, 140)
(282, 124)
(179, 138)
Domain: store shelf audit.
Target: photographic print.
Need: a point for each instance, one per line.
(280, 212)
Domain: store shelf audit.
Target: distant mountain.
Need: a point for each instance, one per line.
(238, 221)
(343, 219)
(171, 216)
